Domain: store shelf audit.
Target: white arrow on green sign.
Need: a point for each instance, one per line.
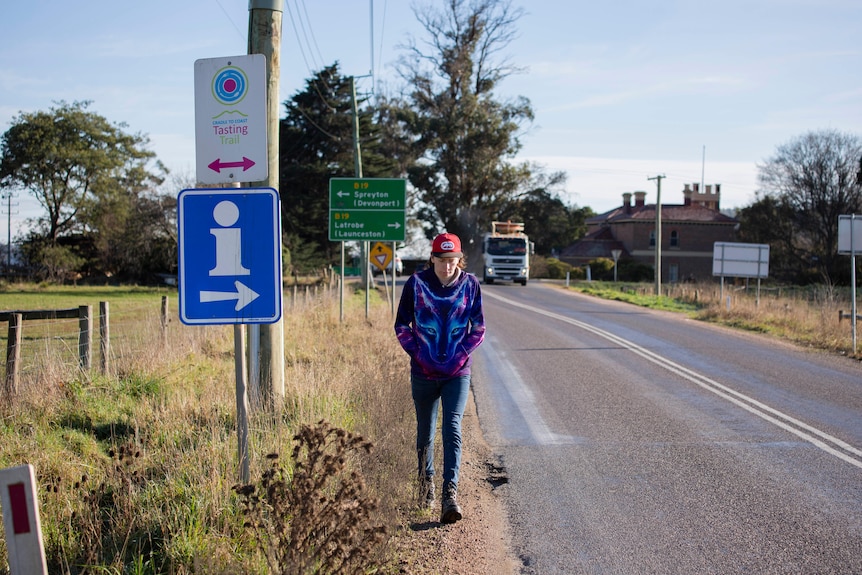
(365, 209)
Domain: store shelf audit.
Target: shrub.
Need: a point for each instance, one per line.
(557, 269)
(633, 271)
(319, 519)
(602, 269)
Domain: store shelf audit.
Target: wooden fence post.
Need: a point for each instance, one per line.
(85, 335)
(104, 338)
(13, 353)
(164, 320)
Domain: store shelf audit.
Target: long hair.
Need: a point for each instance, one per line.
(462, 263)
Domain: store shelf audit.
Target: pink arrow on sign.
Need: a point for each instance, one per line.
(218, 164)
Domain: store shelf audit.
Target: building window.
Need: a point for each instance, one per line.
(673, 272)
(652, 239)
(674, 239)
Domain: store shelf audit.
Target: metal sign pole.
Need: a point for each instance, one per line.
(394, 274)
(853, 280)
(341, 288)
(241, 402)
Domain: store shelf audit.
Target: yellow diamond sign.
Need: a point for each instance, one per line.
(381, 255)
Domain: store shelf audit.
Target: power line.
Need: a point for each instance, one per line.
(311, 71)
(311, 30)
(235, 27)
(298, 39)
(319, 128)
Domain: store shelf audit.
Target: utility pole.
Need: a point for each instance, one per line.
(357, 168)
(9, 206)
(658, 234)
(264, 37)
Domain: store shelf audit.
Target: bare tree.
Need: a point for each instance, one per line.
(814, 177)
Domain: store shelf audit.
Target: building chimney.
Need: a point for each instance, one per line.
(709, 197)
(627, 202)
(639, 199)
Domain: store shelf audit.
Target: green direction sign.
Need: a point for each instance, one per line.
(365, 209)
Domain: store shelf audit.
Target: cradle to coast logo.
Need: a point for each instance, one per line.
(230, 85)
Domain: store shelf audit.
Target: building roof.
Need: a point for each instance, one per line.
(600, 241)
(596, 244)
(669, 213)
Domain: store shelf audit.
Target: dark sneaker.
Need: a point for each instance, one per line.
(451, 511)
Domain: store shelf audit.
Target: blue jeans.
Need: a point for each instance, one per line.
(452, 394)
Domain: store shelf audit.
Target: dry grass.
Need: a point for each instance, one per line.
(806, 316)
(138, 465)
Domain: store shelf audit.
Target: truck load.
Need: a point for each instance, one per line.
(506, 253)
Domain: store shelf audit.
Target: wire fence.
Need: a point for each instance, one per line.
(48, 348)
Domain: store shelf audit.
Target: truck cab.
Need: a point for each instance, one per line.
(506, 253)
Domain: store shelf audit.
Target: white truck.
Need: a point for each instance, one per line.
(506, 253)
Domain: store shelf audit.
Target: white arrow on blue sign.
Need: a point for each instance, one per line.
(229, 256)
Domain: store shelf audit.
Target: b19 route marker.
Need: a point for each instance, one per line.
(364, 209)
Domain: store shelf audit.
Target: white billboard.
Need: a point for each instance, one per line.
(850, 234)
(737, 260)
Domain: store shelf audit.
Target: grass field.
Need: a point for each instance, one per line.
(138, 465)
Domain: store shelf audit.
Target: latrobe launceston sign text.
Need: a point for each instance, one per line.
(364, 209)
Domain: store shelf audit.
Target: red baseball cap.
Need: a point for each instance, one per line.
(447, 246)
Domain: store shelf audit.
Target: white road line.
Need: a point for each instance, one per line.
(828, 443)
(520, 399)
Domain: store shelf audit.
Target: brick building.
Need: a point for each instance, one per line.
(688, 232)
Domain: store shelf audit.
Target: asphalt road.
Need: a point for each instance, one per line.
(642, 442)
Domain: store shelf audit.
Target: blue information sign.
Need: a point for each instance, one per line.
(229, 256)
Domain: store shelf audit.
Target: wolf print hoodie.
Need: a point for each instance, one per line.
(439, 327)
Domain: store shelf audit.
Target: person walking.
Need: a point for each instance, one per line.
(439, 324)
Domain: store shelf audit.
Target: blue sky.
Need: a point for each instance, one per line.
(622, 91)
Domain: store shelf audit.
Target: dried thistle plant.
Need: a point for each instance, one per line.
(319, 519)
(100, 511)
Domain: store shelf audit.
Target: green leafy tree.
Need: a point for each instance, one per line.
(136, 238)
(463, 136)
(51, 261)
(316, 145)
(69, 159)
(811, 180)
(98, 186)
